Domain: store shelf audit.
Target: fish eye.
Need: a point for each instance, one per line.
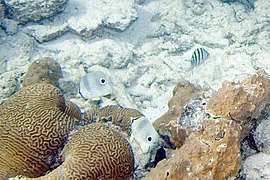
(149, 138)
(102, 81)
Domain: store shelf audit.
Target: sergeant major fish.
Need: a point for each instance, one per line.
(94, 84)
(199, 56)
(143, 132)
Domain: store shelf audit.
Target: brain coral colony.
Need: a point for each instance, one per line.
(36, 122)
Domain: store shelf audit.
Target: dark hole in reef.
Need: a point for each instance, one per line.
(161, 154)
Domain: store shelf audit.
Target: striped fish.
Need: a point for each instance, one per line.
(199, 56)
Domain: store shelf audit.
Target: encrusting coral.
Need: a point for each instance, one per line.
(95, 152)
(212, 150)
(166, 124)
(211, 153)
(243, 101)
(34, 123)
(45, 70)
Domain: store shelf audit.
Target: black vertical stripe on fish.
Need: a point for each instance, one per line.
(198, 57)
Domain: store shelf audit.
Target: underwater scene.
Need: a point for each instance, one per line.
(134, 89)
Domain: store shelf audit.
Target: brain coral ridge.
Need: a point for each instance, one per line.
(117, 115)
(34, 123)
(95, 152)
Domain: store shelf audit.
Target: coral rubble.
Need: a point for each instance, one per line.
(34, 123)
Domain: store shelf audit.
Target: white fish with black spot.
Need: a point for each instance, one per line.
(94, 84)
(143, 132)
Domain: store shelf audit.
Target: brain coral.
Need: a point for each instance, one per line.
(45, 70)
(95, 152)
(34, 123)
(119, 116)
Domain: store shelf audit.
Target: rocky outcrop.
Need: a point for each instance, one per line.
(34, 10)
(242, 101)
(211, 153)
(212, 148)
(167, 124)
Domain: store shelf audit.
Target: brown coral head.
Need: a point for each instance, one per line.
(45, 70)
(95, 152)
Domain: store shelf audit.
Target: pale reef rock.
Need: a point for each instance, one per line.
(257, 167)
(262, 136)
(34, 10)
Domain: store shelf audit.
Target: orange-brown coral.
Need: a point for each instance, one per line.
(182, 93)
(34, 123)
(211, 153)
(95, 152)
(166, 124)
(242, 101)
(45, 70)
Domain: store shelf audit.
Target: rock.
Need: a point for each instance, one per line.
(45, 33)
(211, 153)
(242, 101)
(2, 12)
(45, 70)
(256, 167)
(262, 136)
(198, 7)
(22, 48)
(88, 18)
(10, 26)
(167, 123)
(34, 10)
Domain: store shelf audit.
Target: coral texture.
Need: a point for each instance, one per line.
(116, 115)
(243, 101)
(95, 152)
(211, 153)
(166, 124)
(34, 123)
(34, 10)
(45, 70)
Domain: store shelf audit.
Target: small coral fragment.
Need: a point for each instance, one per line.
(95, 152)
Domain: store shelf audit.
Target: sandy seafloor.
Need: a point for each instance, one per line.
(144, 47)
